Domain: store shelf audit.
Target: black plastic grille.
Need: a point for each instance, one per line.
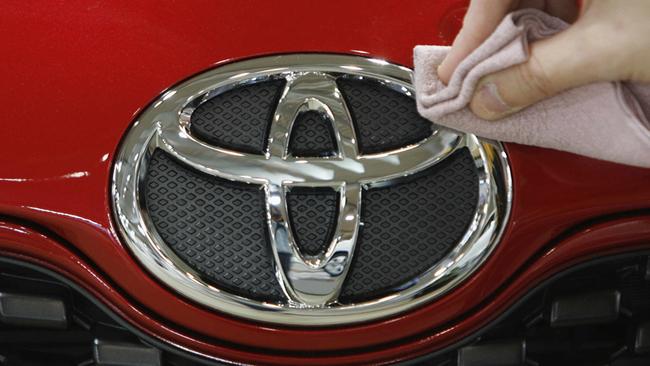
(384, 119)
(312, 136)
(525, 335)
(409, 227)
(91, 334)
(604, 308)
(215, 226)
(238, 119)
(313, 217)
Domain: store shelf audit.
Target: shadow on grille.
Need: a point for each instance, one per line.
(238, 119)
(410, 226)
(384, 119)
(215, 226)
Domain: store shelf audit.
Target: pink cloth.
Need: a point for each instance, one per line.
(601, 120)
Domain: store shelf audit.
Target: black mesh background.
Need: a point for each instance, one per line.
(410, 226)
(313, 217)
(218, 227)
(312, 136)
(238, 119)
(215, 226)
(384, 119)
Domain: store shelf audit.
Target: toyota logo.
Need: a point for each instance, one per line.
(311, 284)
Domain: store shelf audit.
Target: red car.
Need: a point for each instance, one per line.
(212, 182)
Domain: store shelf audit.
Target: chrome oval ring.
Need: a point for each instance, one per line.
(171, 111)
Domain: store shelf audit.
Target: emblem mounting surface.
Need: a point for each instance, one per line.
(310, 283)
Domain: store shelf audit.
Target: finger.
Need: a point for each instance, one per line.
(480, 21)
(566, 60)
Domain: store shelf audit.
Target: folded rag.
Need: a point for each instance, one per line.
(605, 120)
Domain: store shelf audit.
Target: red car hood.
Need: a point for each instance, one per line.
(74, 74)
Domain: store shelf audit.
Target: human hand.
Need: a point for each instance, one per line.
(609, 41)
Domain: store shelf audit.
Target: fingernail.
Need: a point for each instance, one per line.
(487, 102)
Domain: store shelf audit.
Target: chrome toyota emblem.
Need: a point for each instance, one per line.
(311, 284)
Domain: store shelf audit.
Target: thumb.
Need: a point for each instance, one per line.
(561, 62)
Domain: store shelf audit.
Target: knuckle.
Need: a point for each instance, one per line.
(535, 78)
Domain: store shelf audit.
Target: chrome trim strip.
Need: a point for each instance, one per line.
(311, 284)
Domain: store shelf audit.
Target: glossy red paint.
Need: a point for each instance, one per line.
(76, 73)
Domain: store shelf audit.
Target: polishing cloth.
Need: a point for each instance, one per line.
(605, 120)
